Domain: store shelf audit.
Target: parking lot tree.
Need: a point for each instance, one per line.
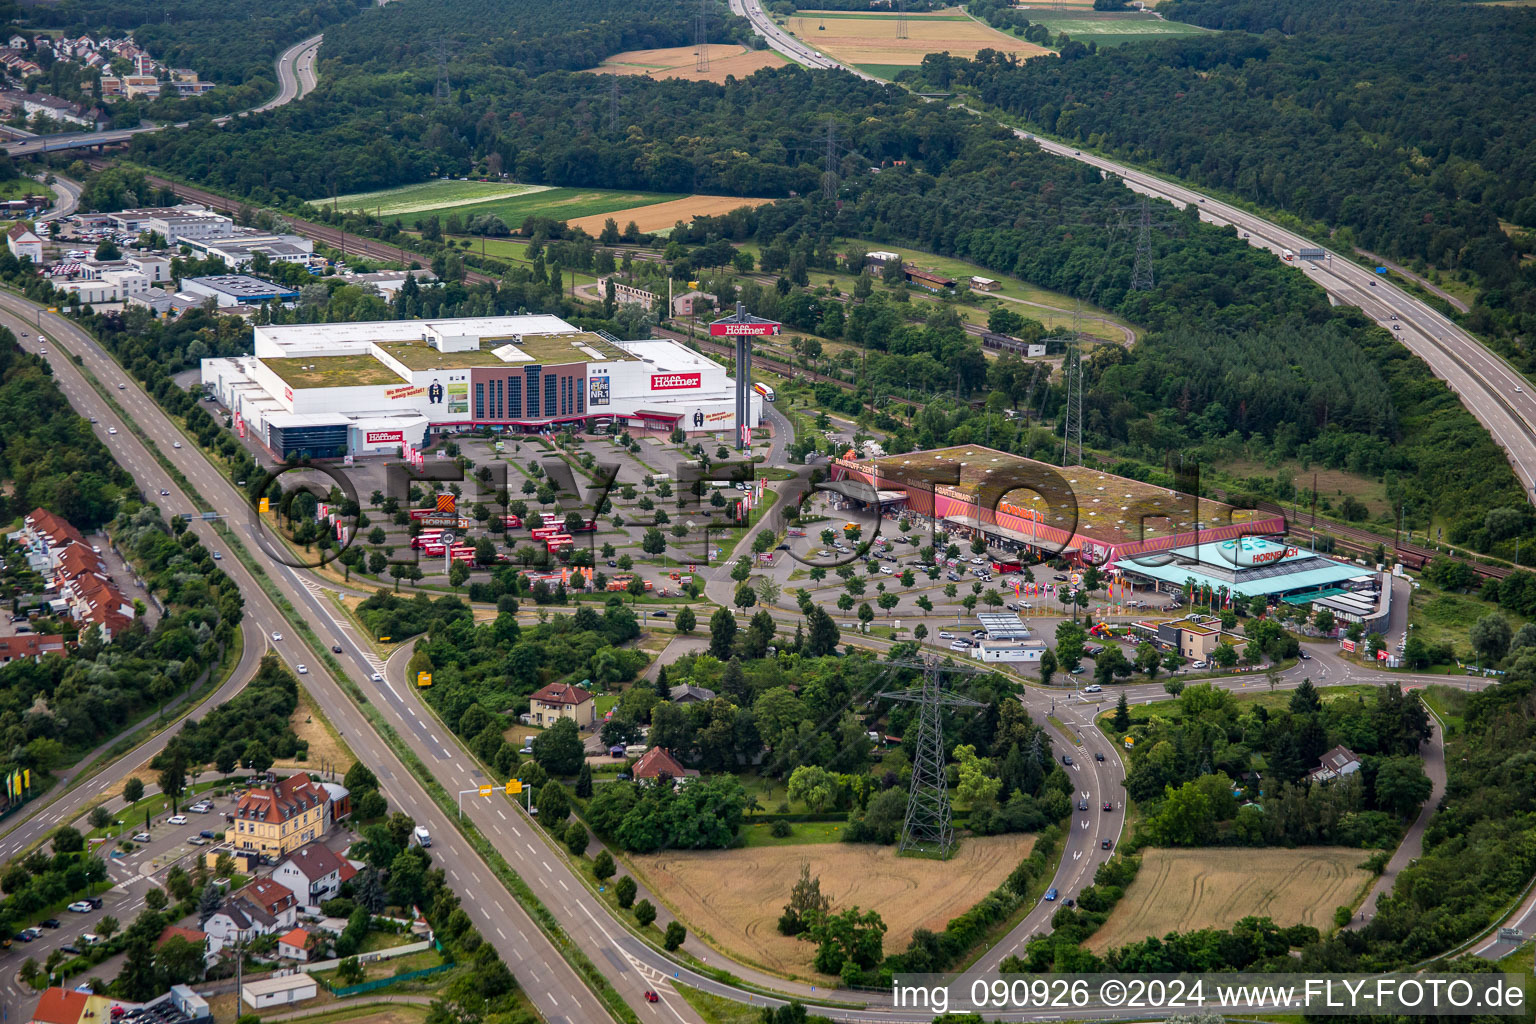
(907, 578)
(866, 613)
(818, 573)
(992, 599)
(845, 602)
(925, 602)
(653, 543)
(626, 563)
(741, 570)
(950, 590)
(969, 602)
(855, 585)
(768, 590)
(976, 587)
(920, 631)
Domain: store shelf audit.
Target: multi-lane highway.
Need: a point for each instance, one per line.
(555, 988)
(295, 77)
(1489, 387)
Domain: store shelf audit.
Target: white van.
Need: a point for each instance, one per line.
(423, 837)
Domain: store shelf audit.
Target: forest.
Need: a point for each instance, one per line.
(1404, 126)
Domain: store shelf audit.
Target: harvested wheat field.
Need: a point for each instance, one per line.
(872, 40)
(733, 898)
(682, 62)
(663, 216)
(1185, 890)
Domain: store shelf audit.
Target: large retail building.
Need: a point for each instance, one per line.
(327, 390)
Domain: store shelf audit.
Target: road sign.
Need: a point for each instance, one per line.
(1381, 270)
(265, 506)
(1076, 579)
(1130, 741)
(486, 790)
(423, 679)
(514, 787)
(447, 537)
(1511, 935)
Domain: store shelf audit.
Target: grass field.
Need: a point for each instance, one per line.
(1439, 616)
(1185, 890)
(1112, 29)
(908, 893)
(20, 188)
(559, 203)
(437, 194)
(1332, 484)
(886, 71)
(325, 746)
(682, 62)
(871, 39)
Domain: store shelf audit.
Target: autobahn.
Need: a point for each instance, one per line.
(1490, 388)
(295, 78)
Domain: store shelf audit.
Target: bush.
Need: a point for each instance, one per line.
(341, 906)
(675, 936)
(645, 913)
(624, 890)
(780, 829)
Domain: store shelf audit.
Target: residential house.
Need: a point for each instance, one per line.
(683, 305)
(562, 700)
(60, 1006)
(278, 819)
(315, 873)
(111, 87)
(294, 945)
(262, 908)
(30, 645)
(658, 762)
(24, 243)
(1337, 763)
(57, 109)
(686, 693)
(984, 284)
(17, 42)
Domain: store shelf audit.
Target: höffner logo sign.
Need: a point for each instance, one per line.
(673, 381)
(384, 436)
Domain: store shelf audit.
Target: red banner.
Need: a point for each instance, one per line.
(385, 436)
(734, 330)
(674, 381)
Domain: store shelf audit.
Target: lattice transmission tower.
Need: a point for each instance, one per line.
(929, 825)
(901, 19)
(701, 36)
(1072, 370)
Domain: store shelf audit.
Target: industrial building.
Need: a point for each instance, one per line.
(1137, 531)
(328, 390)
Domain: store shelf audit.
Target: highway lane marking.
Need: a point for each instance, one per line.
(503, 817)
(500, 932)
(530, 847)
(563, 885)
(546, 865)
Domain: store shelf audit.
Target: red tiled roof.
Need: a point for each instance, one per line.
(57, 530)
(562, 693)
(659, 761)
(78, 559)
(30, 645)
(192, 935)
(60, 1006)
(296, 938)
(289, 798)
(272, 896)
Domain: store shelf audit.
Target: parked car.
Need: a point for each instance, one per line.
(71, 949)
(207, 833)
(141, 837)
(77, 907)
(52, 922)
(176, 819)
(201, 807)
(198, 841)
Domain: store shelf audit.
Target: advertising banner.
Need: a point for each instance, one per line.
(598, 391)
(675, 381)
(735, 330)
(409, 391)
(384, 437)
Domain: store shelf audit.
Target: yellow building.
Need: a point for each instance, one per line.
(561, 700)
(277, 820)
